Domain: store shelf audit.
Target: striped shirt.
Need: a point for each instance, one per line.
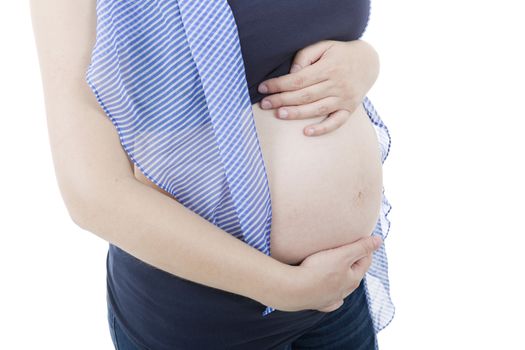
(170, 77)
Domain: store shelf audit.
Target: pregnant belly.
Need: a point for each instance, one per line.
(325, 190)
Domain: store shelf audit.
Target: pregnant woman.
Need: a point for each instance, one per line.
(230, 227)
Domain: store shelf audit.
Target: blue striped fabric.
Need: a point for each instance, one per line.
(170, 77)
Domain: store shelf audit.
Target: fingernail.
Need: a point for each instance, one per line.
(377, 241)
(266, 104)
(283, 113)
(295, 68)
(309, 131)
(263, 88)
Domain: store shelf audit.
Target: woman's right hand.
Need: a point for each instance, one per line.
(325, 278)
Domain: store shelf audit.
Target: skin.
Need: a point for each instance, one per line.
(102, 195)
(327, 78)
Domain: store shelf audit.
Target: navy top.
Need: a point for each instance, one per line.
(271, 32)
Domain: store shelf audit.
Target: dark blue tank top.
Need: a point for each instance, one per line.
(271, 32)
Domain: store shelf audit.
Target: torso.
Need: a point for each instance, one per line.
(325, 190)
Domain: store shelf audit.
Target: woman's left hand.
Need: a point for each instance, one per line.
(327, 78)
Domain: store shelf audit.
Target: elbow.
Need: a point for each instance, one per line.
(79, 207)
(91, 193)
(92, 205)
(84, 204)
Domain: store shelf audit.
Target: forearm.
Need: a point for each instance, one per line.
(162, 232)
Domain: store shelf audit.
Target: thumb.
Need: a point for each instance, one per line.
(363, 247)
(309, 54)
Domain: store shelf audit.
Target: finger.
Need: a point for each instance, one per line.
(310, 54)
(319, 108)
(304, 96)
(329, 124)
(307, 76)
(363, 247)
(362, 265)
(333, 306)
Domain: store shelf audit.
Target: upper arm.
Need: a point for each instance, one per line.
(85, 145)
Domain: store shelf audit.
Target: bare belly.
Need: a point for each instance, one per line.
(325, 190)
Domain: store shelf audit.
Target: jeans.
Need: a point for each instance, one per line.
(347, 328)
(119, 338)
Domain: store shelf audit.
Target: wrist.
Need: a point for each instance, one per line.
(279, 287)
(290, 288)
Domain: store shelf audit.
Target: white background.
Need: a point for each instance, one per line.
(451, 91)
